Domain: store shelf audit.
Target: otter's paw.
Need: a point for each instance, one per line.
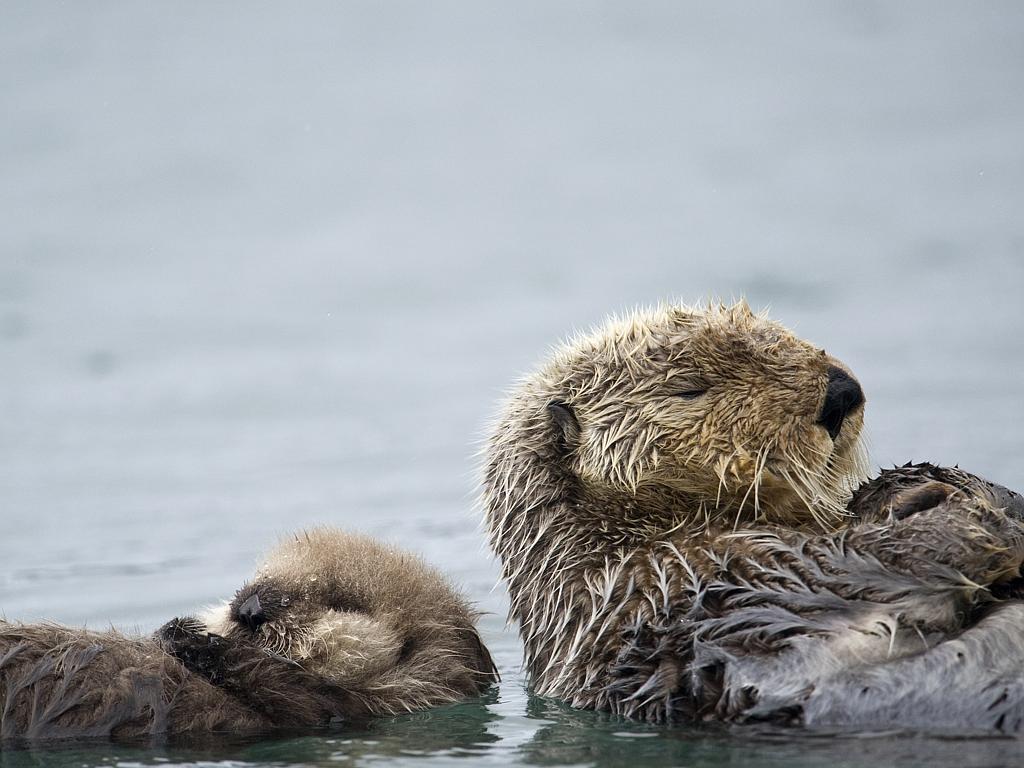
(179, 631)
(648, 673)
(186, 639)
(920, 498)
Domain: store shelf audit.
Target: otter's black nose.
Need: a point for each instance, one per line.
(842, 396)
(251, 613)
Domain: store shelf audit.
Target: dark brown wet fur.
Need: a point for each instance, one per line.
(898, 621)
(57, 682)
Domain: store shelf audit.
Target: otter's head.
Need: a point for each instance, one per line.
(682, 416)
(377, 621)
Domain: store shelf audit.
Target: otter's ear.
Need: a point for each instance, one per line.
(565, 422)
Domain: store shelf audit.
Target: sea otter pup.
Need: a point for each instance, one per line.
(333, 627)
(668, 497)
(374, 620)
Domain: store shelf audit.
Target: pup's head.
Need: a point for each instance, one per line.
(363, 615)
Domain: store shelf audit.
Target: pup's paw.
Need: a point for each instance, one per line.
(186, 639)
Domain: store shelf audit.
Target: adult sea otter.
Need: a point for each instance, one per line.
(672, 500)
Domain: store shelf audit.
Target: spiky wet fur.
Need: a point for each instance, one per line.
(365, 629)
(672, 525)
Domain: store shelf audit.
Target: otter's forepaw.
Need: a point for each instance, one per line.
(186, 639)
(920, 498)
(183, 630)
(648, 673)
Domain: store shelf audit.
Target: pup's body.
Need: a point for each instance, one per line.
(374, 620)
(347, 628)
(58, 682)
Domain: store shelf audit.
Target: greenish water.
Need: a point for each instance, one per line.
(490, 732)
(270, 266)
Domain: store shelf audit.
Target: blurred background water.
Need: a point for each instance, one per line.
(264, 266)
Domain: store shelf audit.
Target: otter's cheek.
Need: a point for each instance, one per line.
(621, 455)
(737, 470)
(349, 646)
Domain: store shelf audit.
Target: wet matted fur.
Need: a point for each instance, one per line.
(668, 497)
(334, 627)
(58, 682)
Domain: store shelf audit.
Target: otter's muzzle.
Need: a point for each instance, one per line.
(251, 613)
(842, 396)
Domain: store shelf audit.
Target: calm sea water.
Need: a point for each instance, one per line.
(264, 266)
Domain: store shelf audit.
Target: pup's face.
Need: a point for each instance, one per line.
(363, 615)
(303, 613)
(719, 403)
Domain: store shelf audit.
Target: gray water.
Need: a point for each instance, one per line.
(268, 266)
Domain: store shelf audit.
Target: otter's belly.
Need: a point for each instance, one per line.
(972, 682)
(768, 686)
(975, 681)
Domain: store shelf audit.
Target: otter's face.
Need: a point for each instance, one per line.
(304, 618)
(719, 403)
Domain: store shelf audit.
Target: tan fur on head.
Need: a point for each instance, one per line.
(373, 619)
(717, 403)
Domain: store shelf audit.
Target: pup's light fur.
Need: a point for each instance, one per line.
(368, 617)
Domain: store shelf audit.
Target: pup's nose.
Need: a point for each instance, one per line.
(251, 613)
(842, 396)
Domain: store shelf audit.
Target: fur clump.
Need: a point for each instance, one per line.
(681, 539)
(335, 627)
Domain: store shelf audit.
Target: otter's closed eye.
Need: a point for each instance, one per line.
(691, 394)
